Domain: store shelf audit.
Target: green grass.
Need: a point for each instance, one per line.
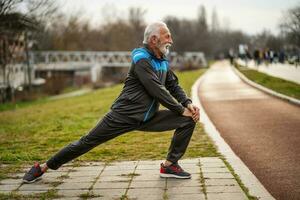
(279, 85)
(50, 194)
(21, 104)
(43, 98)
(37, 131)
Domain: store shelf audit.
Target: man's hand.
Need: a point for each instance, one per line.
(195, 112)
(188, 113)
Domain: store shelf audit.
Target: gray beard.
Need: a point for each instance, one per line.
(164, 49)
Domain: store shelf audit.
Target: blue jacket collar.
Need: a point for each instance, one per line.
(146, 46)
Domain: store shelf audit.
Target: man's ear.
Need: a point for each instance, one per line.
(153, 39)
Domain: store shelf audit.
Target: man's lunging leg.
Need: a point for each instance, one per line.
(166, 120)
(107, 129)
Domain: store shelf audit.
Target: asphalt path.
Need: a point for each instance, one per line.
(262, 130)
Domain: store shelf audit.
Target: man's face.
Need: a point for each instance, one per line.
(164, 41)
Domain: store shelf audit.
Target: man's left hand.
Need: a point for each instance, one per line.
(195, 111)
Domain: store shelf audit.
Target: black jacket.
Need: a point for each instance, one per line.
(148, 83)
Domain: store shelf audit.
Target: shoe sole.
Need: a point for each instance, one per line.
(34, 180)
(174, 176)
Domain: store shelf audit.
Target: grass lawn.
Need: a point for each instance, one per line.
(37, 131)
(277, 84)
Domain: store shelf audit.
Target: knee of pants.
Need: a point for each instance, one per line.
(190, 122)
(83, 142)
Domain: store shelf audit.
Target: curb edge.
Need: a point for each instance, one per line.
(264, 89)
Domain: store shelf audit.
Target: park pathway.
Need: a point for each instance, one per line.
(211, 180)
(262, 130)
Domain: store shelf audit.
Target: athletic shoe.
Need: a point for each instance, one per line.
(33, 174)
(173, 171)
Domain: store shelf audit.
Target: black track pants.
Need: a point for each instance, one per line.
(113, 125)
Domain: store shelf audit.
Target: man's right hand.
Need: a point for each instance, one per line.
(188, 113)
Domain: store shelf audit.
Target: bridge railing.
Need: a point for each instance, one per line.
(109, 58)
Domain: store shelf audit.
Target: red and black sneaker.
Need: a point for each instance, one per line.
(33, 174)
(173, 171)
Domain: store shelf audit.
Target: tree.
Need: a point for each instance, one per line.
(137, 24)
(215, 25)
(14, 31)
(290, 25)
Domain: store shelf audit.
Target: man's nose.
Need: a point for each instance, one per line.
(170, 40)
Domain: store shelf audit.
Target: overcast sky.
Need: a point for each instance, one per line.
(250, 16)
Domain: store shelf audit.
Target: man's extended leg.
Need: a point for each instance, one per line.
(167, 120)
(108, 128)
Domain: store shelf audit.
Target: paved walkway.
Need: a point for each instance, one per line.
(284, 71)
(262, 130)
(211, 180)
(71, 94)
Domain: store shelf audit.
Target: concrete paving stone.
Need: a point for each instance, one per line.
(183, 183)
(223, 189)
(221, 182)
(17, 175)
(148, 177)
(186, 196)
(74, 186)
(9, 187)
(144, 192)
(11, 181)
(50, 179)
(44, 181)
(84, 173)
(226, 196)
(108, 185)
(71, 193)
(126, 163)
(62, 169)
(189, 161)
(116, 172)
(148, 184)
(190, 165)
(184, 190)
(210, 160)
(37, 186)
(217, 175)
(146, 197)
(79, 179)
(148, 167)
(113, 178)
(55, 174)
(149, 172)
(215, 170)
(109, 193)
(193, 178)
(82, 164)
(28, 192)
(119, 167)
(218, 164)
(151, 162)
(89, 168)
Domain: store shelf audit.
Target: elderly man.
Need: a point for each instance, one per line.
(149, 82)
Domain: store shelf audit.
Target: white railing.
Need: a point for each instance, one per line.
(86, 60)
(109, 58)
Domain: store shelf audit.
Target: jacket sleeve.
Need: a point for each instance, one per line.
(176, 91)
(145, 74)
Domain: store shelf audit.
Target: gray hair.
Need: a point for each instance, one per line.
(153, 29)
